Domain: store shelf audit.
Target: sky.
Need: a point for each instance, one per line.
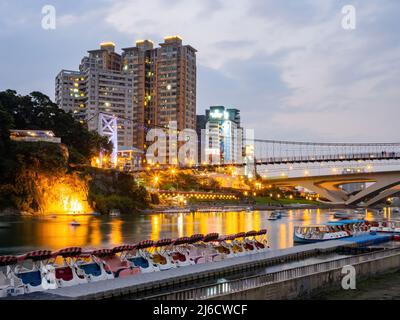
(290, 67)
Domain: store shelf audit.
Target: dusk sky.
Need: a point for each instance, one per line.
(289, 66)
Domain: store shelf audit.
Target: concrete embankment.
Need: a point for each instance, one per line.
(307, 286)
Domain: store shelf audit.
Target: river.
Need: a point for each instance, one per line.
(23, 234)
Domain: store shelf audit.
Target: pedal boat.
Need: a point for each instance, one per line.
(179, 254)
(390, 226)
(113, 263)
(64, 267)
(140, 257)
(10, 285)
(35, 278)
(318, 233)
(161, 256)
(93, 267)
(208, 246)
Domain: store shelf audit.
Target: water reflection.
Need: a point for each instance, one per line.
(29, 233)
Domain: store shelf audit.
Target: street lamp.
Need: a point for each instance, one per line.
(173, 172)
(156, 180)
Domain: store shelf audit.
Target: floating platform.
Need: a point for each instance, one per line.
(368, 239)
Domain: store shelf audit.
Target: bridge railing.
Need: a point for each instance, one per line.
(331, 157)
(243, 284)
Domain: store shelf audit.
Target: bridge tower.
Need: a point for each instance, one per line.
(107, 127)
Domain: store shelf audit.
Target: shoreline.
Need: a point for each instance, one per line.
(238, 208)
(207, 207)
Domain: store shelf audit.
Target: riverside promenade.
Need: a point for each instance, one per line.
(227, 278)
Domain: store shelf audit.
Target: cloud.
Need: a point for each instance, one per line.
(288, 65)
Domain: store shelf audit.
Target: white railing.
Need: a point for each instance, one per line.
(243, 284)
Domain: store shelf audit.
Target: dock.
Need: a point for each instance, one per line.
(181, 283)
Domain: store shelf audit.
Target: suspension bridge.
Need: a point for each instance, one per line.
(261, 156)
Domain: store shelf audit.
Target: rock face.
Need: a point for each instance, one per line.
(42, 182)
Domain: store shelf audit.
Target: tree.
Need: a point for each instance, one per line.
(37, 112)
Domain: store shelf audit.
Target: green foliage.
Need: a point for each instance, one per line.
(188, 181)
(23, 163)
(40, 156)
(116, 190)
(37, 112)
(273, 201)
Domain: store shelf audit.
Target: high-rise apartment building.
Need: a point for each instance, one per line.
(223, 135)
(165, 85)
(145, 87)
(99, 86)
(108, 90)
(70, 92)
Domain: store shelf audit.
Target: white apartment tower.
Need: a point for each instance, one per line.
(102, 88)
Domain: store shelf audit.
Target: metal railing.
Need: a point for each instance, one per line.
(331, 157)
(243, 284)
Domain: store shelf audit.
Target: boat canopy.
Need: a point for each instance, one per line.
(124, 247)
(145, 244)
(343, 222)
(196, 238)
(68, 252)
(182, 240)
(228, 237)
(101, 252)
(262, 232)
(211, 237)
(8, 260)
(163, 242)
(251, 233)
(37, 255)
(240, 235)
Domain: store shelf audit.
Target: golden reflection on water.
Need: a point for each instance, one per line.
(369, 215)
(95, 235)
(116, 233)
(318, 216)
(307, 217)
(283, 235)
(155, 227)
(29, 233)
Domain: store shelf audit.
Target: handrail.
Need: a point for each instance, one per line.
(246, 283)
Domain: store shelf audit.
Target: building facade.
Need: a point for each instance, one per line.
(70, 93)
(223, 135)
(145, 87)
(165, 83)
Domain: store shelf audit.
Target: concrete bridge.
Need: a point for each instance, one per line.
(382, 185)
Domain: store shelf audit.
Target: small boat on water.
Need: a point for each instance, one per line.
(115, 213)
(341, 215)
(333, 230)
(275, 215)
(74, 223)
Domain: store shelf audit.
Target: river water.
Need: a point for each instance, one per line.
(22, 234)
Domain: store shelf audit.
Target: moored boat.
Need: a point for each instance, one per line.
(389, 226)
(275, 215)
(114, 213)
(333, 230)
(341, 215)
